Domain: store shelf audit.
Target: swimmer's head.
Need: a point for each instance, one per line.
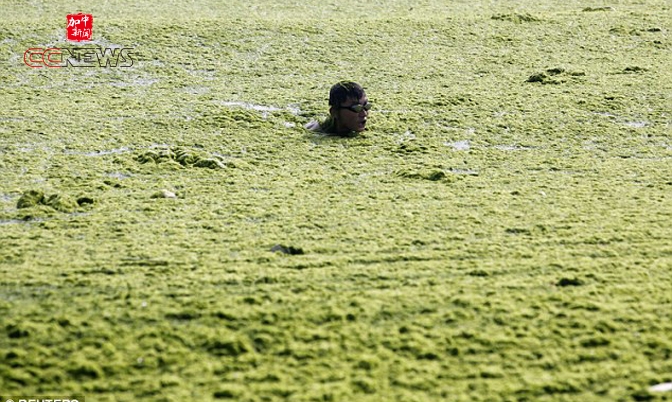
(348, 107)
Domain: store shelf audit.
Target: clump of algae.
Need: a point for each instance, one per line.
(30, 198)
(33, 198)
(554, 75)
(183, 157)
(431, 174)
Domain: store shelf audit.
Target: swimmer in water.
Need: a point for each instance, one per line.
(348, 111)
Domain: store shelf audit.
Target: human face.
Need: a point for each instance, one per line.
(349, 120)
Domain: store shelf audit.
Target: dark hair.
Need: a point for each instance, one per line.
(344, 90)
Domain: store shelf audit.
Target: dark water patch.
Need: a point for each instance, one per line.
(113, 183)
(85, 370)
(290, 250)
(84, 201)
(634, 69)
(16, 331)
(229, 391)
(183, 315)
(542, 78)
(594, 9)
(643, 395)
(145, 262)
(564, 282)
(412, 146)
(517, 18)
(595, 341)
(225, 315)
(309, 265)
(100, 271)
(519, 231)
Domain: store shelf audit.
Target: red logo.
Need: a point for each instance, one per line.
(35, 57)
(79, 27)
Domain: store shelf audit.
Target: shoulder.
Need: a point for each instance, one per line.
(319, 128)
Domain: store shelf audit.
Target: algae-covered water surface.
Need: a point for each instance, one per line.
(500, 232)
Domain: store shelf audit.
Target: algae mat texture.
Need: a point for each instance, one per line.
(501, 232)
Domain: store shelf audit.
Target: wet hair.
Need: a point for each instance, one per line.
(344, 90)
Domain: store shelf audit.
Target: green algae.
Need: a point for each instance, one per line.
(556, 75)
(431, 174)
(30, 198)
(185, 158)
(34, 198)
(532, 264)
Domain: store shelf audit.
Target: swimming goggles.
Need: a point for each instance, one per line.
(357, 108)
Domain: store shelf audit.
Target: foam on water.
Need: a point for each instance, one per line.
(259, 108)
(462, 145)
(100, 153)
(663, 387)
(636, 124)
